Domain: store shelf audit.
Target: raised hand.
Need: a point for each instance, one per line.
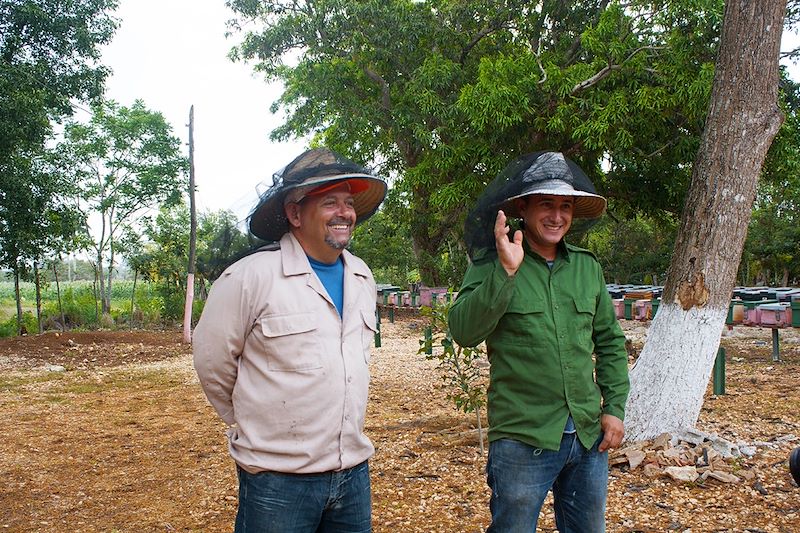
(509, 251)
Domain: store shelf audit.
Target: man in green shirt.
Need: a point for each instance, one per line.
(558, 374)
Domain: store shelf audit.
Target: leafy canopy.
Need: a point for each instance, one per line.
(441, 94)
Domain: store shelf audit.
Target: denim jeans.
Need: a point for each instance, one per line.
(521, 475)
(330, 502)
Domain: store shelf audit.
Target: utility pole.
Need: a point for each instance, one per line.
(187, 310)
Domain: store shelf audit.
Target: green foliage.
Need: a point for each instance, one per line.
(635, 250)
(384, 243)
(444, 93)
(457, 364)
(29, 323)
(149, 308)
(219, 240)
(162, 256)
(48, 57)
(81, 309)
(124, 162)
(770, 254)
(79, 305)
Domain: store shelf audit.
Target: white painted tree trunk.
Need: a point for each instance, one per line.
(670, 377)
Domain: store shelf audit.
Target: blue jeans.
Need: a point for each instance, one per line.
(520, 477)
(330, 502)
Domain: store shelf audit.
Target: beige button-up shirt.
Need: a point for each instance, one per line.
(282, 369)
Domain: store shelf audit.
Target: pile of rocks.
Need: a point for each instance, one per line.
(692, 456)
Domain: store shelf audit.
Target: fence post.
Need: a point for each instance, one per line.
(719, 372)
(377, 327)
(776, 350)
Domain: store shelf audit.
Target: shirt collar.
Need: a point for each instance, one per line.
(562, 251)
(295, 261)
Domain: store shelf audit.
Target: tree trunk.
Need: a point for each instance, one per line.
(19, 300)
(133, 298)
(58, 293)
(99, 277)
(110, 273)
(38, 286)
(187, 309)
(96, 275)
(671, 375)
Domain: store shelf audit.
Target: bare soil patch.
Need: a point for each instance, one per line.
(123, 440)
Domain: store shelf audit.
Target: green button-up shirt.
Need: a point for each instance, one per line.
(541, 328)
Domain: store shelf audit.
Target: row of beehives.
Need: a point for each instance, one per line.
(766, 313)
(751, 306)
(389, 295)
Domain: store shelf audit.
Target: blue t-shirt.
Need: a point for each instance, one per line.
(332, 278)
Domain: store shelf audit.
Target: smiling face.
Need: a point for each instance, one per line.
(323, 224)
(547, 219)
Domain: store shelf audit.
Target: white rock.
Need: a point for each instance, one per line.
(687, 474)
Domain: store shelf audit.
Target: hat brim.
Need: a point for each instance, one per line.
(587, 205)
(268, 220)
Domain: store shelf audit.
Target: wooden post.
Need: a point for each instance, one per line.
(187, 310)
(776, 350)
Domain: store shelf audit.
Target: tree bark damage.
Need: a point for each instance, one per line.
(671, 376)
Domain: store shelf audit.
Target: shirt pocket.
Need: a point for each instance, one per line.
(525, 321)
(368, 332)
(584, 321)
(291, 342)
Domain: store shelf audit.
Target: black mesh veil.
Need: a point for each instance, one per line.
(535, 172)
(312, 168)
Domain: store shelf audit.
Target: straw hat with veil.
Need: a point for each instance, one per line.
(314, 172)
(548, 173)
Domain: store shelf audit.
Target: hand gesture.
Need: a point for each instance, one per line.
(509, 252)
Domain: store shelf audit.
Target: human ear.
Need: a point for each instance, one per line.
(292, 210)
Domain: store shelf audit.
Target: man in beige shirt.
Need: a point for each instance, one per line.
(282, 352)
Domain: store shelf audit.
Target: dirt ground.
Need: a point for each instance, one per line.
(109, 431)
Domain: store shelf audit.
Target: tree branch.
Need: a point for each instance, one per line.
(791, 53)
(485, 32)
(386, 101)
(605, 71)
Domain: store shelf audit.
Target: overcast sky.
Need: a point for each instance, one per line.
(173, 54)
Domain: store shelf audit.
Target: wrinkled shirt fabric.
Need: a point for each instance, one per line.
(554, 344)
(281, 368)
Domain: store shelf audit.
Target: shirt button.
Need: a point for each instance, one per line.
(349, 379)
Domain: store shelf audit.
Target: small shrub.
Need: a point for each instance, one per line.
(29, 323)
(148, 307)
(457, 365)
